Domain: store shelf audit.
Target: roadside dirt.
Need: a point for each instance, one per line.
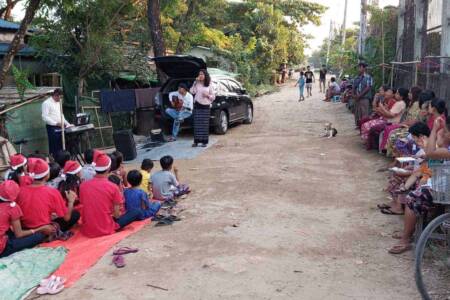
(276, 213)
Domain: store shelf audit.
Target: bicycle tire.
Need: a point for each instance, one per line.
(420, 248)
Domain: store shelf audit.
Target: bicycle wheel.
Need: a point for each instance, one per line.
(432, 264)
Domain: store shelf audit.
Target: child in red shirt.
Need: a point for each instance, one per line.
(10, 213)
(18, 170)
(102, 201)
(39, 202)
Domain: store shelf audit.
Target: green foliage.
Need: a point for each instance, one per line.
(346, 58)
(21, 79)
(87, 39)
(256, 36)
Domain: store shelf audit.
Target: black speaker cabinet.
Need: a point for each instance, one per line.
(124, 142)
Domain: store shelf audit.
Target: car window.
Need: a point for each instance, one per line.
(222, 88)
(234, 86)
(239, 86)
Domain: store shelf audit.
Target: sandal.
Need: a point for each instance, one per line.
(118, 261)
(164, 222)
(173, 218)
(383, 206)
(125, 250)
(54, 286)
(397, 235)
(399, 249)
(388, 211)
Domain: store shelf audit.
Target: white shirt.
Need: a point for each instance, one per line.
(51, 113)
(335, 87)
(188, 100)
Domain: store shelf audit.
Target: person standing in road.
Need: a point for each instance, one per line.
(322, 78)
(301, 85)
(309, 81)
(203, 99)
(51, 115)
(362, 87)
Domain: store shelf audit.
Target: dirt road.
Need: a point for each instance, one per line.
(276, 213)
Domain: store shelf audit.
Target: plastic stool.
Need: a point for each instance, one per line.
(336, 99)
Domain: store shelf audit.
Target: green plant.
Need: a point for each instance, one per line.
(22, 82)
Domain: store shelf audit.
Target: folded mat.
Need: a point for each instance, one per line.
(84, 252)
(22, 271)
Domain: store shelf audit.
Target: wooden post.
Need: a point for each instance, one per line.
(416, 66)
(63, 138)
(382, 46)
(392, 75)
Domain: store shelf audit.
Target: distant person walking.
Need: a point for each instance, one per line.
(204, 97)
(322, 78)
(309, 81)
(362, 87)
(301, 85)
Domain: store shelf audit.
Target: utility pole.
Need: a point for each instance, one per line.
(344, 26)
(363, 28)
(330, 36)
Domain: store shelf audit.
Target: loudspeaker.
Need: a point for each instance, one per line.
(124, 142)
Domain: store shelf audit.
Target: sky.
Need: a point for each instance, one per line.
(335, 13)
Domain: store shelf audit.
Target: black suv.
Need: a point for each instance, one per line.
(232, 103)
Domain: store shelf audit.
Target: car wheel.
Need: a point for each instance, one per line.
(249, 115)
(222, 124)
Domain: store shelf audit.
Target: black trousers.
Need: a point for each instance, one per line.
(66, 225)
(54, 139)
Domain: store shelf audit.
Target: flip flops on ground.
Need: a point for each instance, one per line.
(388, 211)
(399, 249)
(52, 285)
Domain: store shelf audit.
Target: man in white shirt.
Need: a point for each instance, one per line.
(333, 89)
(182, 105)
(51, 115)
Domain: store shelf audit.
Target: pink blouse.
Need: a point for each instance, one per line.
(204, 95)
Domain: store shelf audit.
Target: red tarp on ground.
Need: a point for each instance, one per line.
(84, 252)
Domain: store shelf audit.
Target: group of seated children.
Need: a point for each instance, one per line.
(410, 126)
(41, 200)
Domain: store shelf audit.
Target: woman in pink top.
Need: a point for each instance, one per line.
(204, 95)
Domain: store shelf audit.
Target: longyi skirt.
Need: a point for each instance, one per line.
(202, 114)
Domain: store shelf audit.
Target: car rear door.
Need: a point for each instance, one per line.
(231, 98)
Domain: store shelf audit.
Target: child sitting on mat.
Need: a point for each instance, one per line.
(146, 184)
(40, 203)
(165, 183)
(18, 170)
(13, 237)
(136, 198)
(102, 202)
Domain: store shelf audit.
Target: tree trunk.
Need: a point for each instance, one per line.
(182, 43)
(80, 87)
(32, 7)
(154, 23)
(5, 12)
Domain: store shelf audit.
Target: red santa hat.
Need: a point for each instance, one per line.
(38, 168)
(17, 161)
(9, 191)
(102, 162)
(72, 167)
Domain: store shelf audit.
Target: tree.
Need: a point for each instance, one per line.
(30, 11)
(83, 37)
(6, 8)
(154, 23)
